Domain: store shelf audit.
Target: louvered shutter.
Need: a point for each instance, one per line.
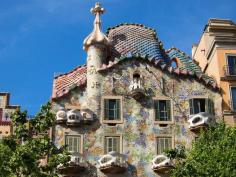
(191, 106)
(106, 109)
(168, 109)
(117, 109)
(210, 106)
(157, 110)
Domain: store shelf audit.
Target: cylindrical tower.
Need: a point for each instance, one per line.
(97, 46)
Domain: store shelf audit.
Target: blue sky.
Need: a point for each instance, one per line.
(41, 37)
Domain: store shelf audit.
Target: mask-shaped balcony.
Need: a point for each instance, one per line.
(61, 116)
(76, 165)
(86, 115)
(162, 164)
(73, 117)
(200, 121)
(136, 87)
(113, 163)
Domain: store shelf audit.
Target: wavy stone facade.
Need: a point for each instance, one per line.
(113, 76)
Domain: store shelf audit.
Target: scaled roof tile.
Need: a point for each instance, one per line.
(63, 83)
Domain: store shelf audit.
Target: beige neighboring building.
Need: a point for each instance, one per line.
(5, 112)
(216, 54)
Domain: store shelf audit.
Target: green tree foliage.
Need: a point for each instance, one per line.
(20, 153)
(213, 154)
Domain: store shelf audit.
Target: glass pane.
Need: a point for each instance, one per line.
(163, 110)
(199, 105)
(232, 65)
(112, 144)
(114, 148)
(233, 91)
(73, 143)
(163, 144)
(111, 114)
(112, 109)
(70, 144)
(158, 146)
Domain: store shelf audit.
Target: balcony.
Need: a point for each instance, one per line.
(136, 88)
(74, 117)
(162, 164)
(200, 121)
(113, 163)
(61, 116)
(76, 165)
(232, 106)
(229, 73)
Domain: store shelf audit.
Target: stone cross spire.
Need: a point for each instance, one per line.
(96, 37)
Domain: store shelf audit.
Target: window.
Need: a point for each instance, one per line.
(112, 143)
(73, 143)
(6, 116)
(174, 63)
(163, 143)
(112, 109)
(233, 93)
(1, 114)
(162, 110)
(198, 105)
(1, 101)
(231, 65)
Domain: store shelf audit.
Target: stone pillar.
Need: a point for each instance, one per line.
(97, 46)
(96, 54)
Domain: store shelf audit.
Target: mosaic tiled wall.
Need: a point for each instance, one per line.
(138, 129)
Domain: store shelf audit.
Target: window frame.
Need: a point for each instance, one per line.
(164, 136)
(171, 121)
(120, 121)
(81, 141)
(112, 135)
(231, 97)
(227, 61)
(206, 104)
(2, 101)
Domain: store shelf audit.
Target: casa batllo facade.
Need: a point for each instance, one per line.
(130, 101)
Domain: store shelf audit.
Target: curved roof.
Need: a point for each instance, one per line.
(133, 39)
(62, 84)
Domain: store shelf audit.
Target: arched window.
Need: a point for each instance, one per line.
(174, 63)
(136, 76)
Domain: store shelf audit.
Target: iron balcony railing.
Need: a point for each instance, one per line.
(230, 70)
(232, 106)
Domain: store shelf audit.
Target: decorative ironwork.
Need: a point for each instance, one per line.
(74, 116)
(230, 70)
(76, 165)
(162, 164)
(113, 162)
(200, 121)
(137, 87)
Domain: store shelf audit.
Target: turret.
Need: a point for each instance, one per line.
(97, 47)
